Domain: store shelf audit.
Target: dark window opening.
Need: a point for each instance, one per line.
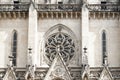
(60, 6)
(103, 6)
(16, 4)
(104, 50)
(14, 48)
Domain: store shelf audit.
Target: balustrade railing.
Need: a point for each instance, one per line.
(104, 7)
(14, 7)
(58, 7)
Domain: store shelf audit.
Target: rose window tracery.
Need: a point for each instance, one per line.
(60, 43)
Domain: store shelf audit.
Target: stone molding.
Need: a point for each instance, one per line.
(104, 15)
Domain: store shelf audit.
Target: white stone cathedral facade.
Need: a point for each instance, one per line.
(59, 39)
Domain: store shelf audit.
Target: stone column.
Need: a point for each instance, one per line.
(85, 29)
(32, 33)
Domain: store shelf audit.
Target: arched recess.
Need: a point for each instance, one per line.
(14, 47)
(66, 35)
(104, 47)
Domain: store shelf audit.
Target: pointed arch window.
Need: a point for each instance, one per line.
(104, 49)
(14, 48)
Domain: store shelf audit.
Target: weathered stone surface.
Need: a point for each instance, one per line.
(80, 23)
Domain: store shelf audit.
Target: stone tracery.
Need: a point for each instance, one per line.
(60, 42)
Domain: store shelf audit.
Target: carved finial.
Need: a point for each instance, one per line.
(30, 56)
(30, 50)
(11, 60)
(84, 1)
(105, 59)
(85, 50)
(85, 4)
(85, 58)
(30, 67)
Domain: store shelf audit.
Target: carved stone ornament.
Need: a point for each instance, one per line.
(10, 74)
(30, 73)
(106, 74)
(58, 70)
(60, 42)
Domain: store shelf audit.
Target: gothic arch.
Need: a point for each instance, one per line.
(14, 40)
(64, 31)
(106, 32)
(85, 77)
(104, 46)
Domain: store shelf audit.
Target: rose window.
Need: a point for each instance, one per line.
(60, 43)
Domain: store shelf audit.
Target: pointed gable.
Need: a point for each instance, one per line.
(106, 74)
(10, 74)
(58, 70)
(85, 73)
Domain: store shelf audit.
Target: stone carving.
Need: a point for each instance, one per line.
(106, 74)
(40, 75)
(57, 78)
(63, 42)
(58, 69)
(116, 74)
(30, 73)
(20, 74)
(10, 74)
(76, 75)
(2, 74)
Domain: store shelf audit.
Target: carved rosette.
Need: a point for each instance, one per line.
(59, 43)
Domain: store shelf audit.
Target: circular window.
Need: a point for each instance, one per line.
(59, 43)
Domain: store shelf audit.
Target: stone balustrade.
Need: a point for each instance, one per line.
(114, 7)
(14, 7)
(58, 7)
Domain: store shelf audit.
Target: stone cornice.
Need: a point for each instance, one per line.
(104, 15)
(13, 15)
(59, 15)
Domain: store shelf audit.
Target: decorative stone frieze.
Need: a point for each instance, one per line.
(59, 15)
(13, 15)
(104, 15)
